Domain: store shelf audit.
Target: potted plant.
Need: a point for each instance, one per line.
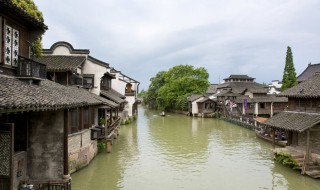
(102, 121)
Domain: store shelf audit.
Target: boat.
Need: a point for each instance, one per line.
(162, 114)
(266, 137)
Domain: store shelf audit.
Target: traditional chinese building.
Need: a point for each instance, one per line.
(301, 121)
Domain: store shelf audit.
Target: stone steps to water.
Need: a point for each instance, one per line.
(313, 173)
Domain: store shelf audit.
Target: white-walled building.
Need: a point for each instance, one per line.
(88, 72)
(275, 87)
(129, 87)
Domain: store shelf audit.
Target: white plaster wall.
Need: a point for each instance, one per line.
(131, 100)
(250, 94)
(61, 50)
(90, 67)
(119, 86)
(195, 109)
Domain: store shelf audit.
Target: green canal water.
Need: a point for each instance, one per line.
(180, 152)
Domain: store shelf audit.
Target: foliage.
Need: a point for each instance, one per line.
(289, 78)
(170, 89)
(101, 146)
(32, 10)
(102, 121)
(286, 160)
(36, 48)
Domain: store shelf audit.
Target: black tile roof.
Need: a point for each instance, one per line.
(113, 95)
(16, 95)
(212, 89)
(294, 121)
(241, 87)
(308, 72)
(239, 77)
(270, 98)
(307, 89)
(194, 97)
(61, 63)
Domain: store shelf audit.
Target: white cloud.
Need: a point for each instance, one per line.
(143, 37)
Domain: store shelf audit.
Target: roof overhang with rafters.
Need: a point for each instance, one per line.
(294, 121)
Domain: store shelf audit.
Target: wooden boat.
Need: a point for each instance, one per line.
(262, 136)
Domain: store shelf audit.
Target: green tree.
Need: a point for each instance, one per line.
(171, 89)
(32, 10)
(156, 83)
(289, 78)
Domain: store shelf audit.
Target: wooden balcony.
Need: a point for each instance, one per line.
(28, 68)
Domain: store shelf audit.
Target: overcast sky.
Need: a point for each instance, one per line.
(143, 37)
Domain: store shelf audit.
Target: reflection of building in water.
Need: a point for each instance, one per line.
(194, 123)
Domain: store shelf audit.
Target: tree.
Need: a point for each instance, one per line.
(170, 89)
(289, 78)
(32, 10)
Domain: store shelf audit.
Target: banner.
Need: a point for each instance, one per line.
(245, 103)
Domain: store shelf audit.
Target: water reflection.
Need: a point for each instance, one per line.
(180, 152)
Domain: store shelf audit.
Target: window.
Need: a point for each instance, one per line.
(85, 115)
(106, 83)
(11, 50)
(73, 120)
(88, 81)
(262, 105)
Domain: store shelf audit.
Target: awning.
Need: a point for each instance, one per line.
(294, 121)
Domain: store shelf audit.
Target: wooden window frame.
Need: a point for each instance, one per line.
(73, 121)
(1, 39)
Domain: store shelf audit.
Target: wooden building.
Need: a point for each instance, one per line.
(248, 97)
(301, 120)
(201, 106)
(38, 116)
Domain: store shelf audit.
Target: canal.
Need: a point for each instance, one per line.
(180, 152)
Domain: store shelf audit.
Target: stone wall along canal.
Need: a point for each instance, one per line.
(180, 152)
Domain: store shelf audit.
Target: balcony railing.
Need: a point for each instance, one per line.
(31, 68)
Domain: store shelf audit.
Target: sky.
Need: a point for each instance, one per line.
(143, 37)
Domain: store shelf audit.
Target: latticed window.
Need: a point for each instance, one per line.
(85, 115)
(73, 120)
(11, 50)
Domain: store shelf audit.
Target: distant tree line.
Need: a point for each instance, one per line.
(169, 89)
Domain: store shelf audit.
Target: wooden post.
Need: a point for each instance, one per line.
(308, 149)
(109, 142)
(115, 134)
(273, 138)
(65, 143)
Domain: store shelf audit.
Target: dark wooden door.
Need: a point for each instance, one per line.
(6, 155)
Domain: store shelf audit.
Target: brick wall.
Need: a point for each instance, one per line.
(81, 149)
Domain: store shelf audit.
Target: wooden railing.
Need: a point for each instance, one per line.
(58, 184)
(31, 68)
(114, 125)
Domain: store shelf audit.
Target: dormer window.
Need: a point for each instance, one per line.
(106, 81)
(11, 49)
